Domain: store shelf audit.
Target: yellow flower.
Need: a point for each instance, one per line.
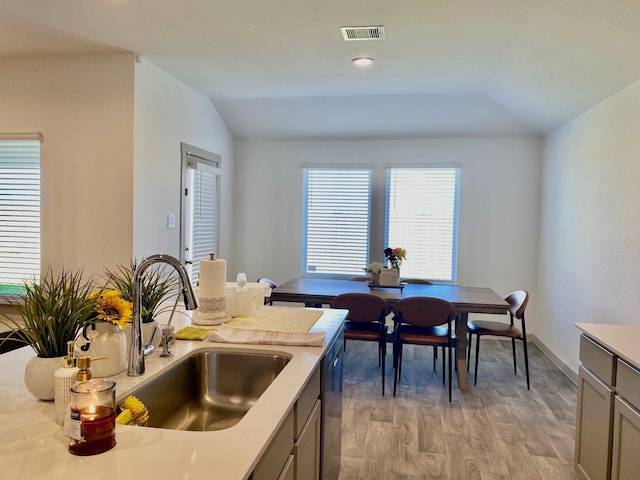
(111, 307)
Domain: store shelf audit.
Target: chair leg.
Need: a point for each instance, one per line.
(526, 361)
(382, 345)
(475, 379)
(513, 347)
(469, 346)
(443, 372)
(450, 364)
(398, 363)
(435, 357)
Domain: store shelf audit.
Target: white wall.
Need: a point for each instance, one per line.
(590, 224)
(499, 202)
(168, 112)
(110, 162)
(84, 107)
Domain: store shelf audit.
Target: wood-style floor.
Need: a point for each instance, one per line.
(495, 430)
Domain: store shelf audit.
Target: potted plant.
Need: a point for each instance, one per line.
(50, 313)
(157, 285)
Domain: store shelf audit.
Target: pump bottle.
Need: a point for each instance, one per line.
(64, 376)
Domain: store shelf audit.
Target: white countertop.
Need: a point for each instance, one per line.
(32, 444)
(623, 340)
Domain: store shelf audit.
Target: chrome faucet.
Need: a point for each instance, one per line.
(136, 355)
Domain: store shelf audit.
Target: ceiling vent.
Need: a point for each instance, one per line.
(362, 33)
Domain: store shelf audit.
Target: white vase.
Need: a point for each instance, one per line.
(38, 376)
(389, 277)
(107, 342)
(151, 334)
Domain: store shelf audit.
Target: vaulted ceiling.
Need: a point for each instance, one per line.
(281, 69)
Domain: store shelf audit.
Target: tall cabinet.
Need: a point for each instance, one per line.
(608, 415)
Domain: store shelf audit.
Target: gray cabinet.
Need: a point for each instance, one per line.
(294, 453)
(274, 461)
(608, 416)
(288, 472)
(626, 424)
(593, 427)
(306, 449)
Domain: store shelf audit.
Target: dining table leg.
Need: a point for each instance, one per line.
(461, 349)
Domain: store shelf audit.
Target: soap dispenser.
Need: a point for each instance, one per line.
(64, 376)
(84, 369)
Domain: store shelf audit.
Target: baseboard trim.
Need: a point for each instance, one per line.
(553, 358)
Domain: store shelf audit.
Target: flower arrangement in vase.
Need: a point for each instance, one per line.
(157, 285)
(103, 333)
(394, 257)
(390, 275)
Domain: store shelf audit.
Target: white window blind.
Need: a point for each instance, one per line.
(201, 207)
(335, 220)
(19, 211)
(422, 218)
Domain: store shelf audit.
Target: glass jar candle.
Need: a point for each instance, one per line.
(91, 424)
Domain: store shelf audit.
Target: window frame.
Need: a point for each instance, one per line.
(304, 267)
(456, 170)
(191, 158)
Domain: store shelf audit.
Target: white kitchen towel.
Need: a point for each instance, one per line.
(228, 334)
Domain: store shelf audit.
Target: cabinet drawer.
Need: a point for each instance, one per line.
(598, 360)
(306, 401)
(628, 383)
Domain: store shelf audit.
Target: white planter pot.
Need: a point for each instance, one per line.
(38, 376)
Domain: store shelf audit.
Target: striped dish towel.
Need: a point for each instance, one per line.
(228, 334)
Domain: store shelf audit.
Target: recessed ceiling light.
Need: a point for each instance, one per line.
(363, 61)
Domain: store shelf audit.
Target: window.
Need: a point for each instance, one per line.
(201, 176)
(421, 217)
(335, 222)
(19, 211)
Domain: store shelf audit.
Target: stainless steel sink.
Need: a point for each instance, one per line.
(210, 390)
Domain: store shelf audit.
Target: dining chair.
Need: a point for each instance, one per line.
(365, 321)
(271, 284)
(423, 321)
(517, 304)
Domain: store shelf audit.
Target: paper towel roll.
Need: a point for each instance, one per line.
(213, 275)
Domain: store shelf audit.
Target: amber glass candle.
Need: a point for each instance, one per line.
(91, 424)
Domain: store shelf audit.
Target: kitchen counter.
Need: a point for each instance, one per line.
(33, 446)
(620, 339)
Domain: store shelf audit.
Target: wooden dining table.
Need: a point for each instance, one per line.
(320, 291)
